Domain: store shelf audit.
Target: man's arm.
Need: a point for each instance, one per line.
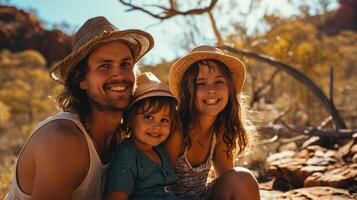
(60, 156)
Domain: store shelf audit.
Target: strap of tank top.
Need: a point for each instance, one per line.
(76, 120)
(213, 146)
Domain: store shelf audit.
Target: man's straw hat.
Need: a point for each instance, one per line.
(148, 85)
(94, 33)
(205, 52)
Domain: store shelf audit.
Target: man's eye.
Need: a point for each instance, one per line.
(126, 64)
(104, 66)
(148, 117)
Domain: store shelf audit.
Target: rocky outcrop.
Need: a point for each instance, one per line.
(345, 17)
(20, 30)
(310, 193)
(313, 173)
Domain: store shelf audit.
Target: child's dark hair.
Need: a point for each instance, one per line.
(152, 104)
(229, 121)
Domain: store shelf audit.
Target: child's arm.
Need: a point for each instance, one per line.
(174, 146)
(221, 161)
(118, 195)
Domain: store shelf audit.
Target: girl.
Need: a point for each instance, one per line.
(141, 168)
(207, 83)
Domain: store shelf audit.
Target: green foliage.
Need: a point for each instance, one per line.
(24, 89)
(25, 86)
(160, 70)
(4, 115)
(300, 43)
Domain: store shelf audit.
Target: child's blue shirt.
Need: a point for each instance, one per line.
(133, 172)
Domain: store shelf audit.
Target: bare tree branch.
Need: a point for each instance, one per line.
(338, 134)
(281, 115)
(331, 84)
(215, 29)
(325, 122)
(257, 93)
(169, 12)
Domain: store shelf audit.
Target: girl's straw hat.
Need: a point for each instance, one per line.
(94, 33)
(205, 52)
(148, 85)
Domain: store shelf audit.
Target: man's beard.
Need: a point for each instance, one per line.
(108, 105)
(111, 107)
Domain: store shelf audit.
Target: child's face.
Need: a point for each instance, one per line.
(212, 90)
(151, 129)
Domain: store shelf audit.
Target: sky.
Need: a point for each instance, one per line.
(165, 33)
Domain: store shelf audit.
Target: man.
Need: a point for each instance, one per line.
(67, 155)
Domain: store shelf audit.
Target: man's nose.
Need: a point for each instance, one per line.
(117, 71)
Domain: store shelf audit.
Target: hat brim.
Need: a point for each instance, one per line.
(179, 68)
(157, 93)
(140, 42)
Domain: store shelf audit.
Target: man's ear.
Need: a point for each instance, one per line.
(83, 85)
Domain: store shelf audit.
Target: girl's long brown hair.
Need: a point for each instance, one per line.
(229, 120)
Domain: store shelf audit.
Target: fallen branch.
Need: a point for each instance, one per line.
(281, 130)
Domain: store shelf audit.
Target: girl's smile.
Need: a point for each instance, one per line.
(212, 90)
(151, 129)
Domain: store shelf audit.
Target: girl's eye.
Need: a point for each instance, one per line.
(200, 84)
(165, 120)
(148, 117)
(220, 81)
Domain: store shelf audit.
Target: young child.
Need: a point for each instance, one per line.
(207, 84)
(141, 168)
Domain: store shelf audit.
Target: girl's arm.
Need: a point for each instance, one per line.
(118, 195)
(221, 161)
(174, 146)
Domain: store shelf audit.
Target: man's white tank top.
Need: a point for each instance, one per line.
(93, 185)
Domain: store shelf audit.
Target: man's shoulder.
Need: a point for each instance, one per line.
(56, 144)
(58, 134)
(58, 129)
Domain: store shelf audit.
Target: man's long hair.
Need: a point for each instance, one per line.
(73, 98)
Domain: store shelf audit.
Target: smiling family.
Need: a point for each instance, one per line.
(126, 135)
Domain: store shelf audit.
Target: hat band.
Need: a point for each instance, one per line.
(158, 90)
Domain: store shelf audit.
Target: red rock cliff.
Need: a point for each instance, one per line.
(20, 30)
